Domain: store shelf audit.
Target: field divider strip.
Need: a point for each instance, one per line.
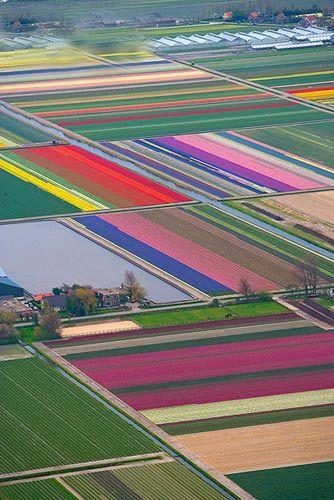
(82, 467)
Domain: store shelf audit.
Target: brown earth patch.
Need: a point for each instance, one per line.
(265, 446)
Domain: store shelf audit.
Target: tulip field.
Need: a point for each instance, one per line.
(225, 164)
(306, 73)
(152, 98)
(77, 180)
(225, 386)
(219, 196)
(206, 247)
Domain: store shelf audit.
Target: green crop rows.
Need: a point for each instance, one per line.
(47, 421)
(290, 483)
(162, 481)
(35, 490)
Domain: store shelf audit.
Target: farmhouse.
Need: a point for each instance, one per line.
(110, 297)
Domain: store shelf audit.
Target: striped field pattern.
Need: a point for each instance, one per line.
(202, 247)
(83, 179)
(224, 164)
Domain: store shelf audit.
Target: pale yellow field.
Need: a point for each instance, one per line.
(265, 446)
(315, 206)
(96, 328)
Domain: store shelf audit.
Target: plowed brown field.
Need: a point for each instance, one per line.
(265, 446)
(223, 243)
(316, 206)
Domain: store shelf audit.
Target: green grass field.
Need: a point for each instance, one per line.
(303, 482)
(22, 199)
(311, 141)
(202, 314)
(48, 421)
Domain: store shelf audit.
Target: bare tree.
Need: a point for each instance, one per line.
(129, 278)
(308, 274)
(245, 287)
(136, 291)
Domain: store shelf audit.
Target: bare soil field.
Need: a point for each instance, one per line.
(97, 328)
(265, 446)
(314, 206)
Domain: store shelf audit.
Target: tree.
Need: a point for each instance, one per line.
(245, 287)
(50, 322)
(129, 279)
(87, 298)
(7, 320)
(136, 291)
(308, 274)
(81, 300)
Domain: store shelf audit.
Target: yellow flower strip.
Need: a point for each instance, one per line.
(53, 189)
(316, 94)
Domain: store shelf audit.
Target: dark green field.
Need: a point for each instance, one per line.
(302, 482)
(14, 131)
(48, 421)
(311, 141)
(22, 199)
(214, 424)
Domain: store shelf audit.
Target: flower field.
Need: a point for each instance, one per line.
(245, 390)
(231, 371)
(133, 100)
(306, 73)
(205, 247)
(82, 179)
(224, 164)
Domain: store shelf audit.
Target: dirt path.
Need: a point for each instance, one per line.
(265, 446)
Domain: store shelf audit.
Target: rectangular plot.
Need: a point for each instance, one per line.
(64, 424)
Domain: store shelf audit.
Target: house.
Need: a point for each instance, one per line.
(110, 297)
(57, 302)
(11, 304)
